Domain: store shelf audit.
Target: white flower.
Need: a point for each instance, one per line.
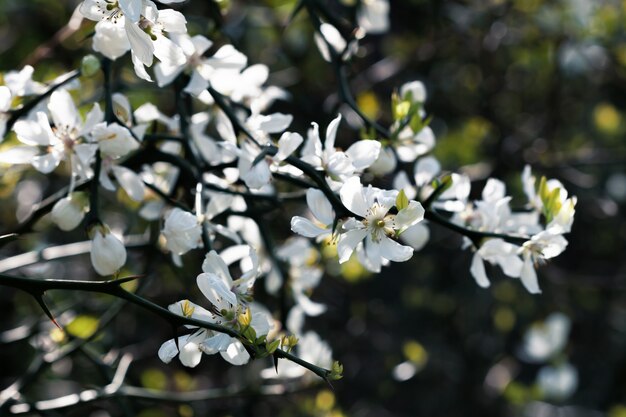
(21, 82)
(338, 165)
(310, 348)
(543, 341)
(67, 213)
(182, 231)
(108, 253)
(377, 225)
(229, 298)
(329, 39)
(128, 179)
(136, 25)
(323, 213)
(69, 139)
(496, 252)
(413, 91)
(542, 246)
(304, 272)
(373, 16)
(558, 382)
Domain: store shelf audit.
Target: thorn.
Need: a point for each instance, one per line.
(8, 238)
(44, 307)
(275, 357)
(120, 281)
(329, 383)
(295, 12)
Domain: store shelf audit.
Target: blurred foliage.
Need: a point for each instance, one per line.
(509, 83)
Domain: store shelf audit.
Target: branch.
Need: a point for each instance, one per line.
(113, 288)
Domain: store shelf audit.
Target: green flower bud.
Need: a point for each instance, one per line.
(90, 65)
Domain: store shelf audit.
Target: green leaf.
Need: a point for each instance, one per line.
(249, 333)
(271, 347)
(402, 201)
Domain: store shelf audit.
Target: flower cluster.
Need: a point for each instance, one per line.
(207, 175)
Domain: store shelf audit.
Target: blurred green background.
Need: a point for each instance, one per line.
(509, 83)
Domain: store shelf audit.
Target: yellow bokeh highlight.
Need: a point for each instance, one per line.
(325, 400)
(415, 352)
(83, 326)
(504, 319)
(353, 271)
(607, 118)
(618, 410)
(153, 379)
(185, 411)
(368, 103)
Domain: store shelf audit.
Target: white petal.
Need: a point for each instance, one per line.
(215, 264)
(351, 194)
(256, 74)
(140, 43)
(200, 43)
(425, 170)
(275, 123)
(165, 73)
(511, 265)
(190, 354)
(529, 277)
(347, 243)
(110, 40)
(140, 70)
(306, 228)
(172, 21)
(309, 307)
(331, 132)
(320, 206)
(236, 354)
(46, 163)
(31, 132)
(216, 291)
(364, 153)
(478, 271)
(217, 343)
(131, 9)
(410, 215)
(130, 182)
(197, 84)
(287, 144)
(258, 176)
(416, 236)
(18, 155)
(63, 110)
(168, 52)
(392, 250)
(168, 351)
(108, 253)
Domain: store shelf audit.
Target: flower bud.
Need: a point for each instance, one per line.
(108, 253)
(182, 231)
(90, 65)
(67, 213)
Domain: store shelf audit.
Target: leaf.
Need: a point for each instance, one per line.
(402, 201)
